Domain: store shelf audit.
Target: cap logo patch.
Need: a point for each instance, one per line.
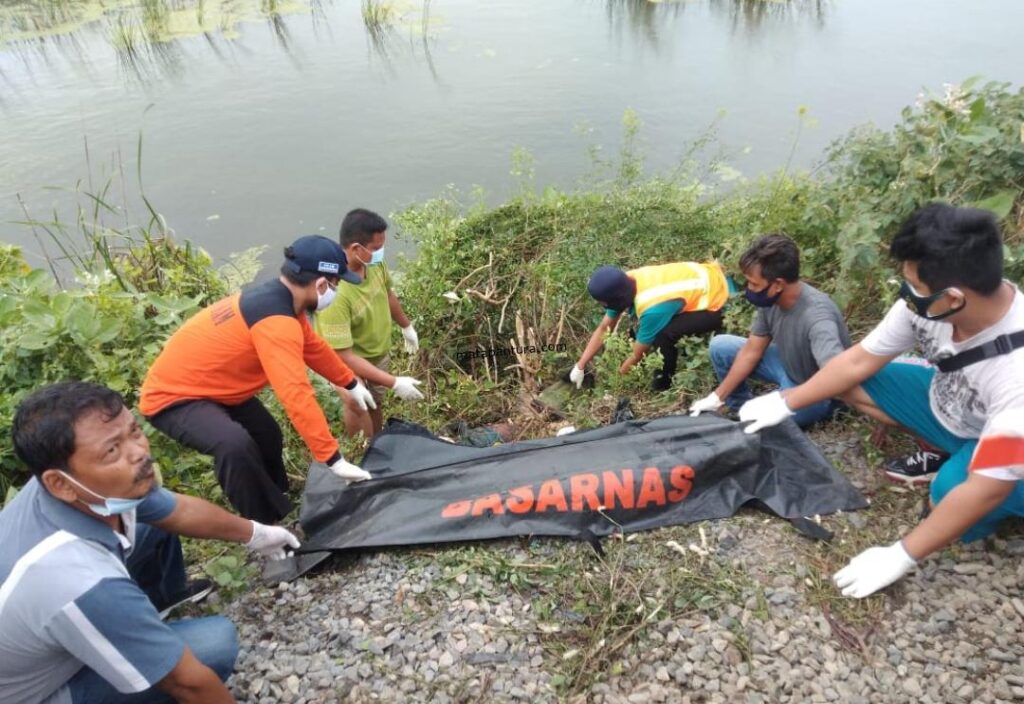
(328, 267)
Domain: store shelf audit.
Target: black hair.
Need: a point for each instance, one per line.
(359, 227)
(952, 247)
(302, 278)
(43, 431)
(777, 256)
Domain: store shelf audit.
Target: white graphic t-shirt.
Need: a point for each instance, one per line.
(984, 400)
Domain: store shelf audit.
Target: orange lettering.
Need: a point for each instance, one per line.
(551, 494)
(520, 500)
(457, 509)
(618, 489)
(652, 489)
(681, 478)
(491, 502)
(584, 486)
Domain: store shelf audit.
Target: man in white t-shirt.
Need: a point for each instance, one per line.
(953, 299)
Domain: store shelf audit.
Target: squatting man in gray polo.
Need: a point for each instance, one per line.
(89, 556)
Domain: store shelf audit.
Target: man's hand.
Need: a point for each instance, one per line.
(412, 340)
(271, 541)
(405, 388)
(711, 402)
(348, 471)
(361, 396)
(576, 376)
(874, 569)
(764, 412)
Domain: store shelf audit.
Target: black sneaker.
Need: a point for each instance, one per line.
(194, 592)
(661, 382)
(918, 468)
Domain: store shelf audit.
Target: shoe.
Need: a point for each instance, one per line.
(918, 468)
(661, 382)
(194, 592)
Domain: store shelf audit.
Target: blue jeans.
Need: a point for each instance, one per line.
(157, 565)
(213, 640)
(900, 389)
(723, 350)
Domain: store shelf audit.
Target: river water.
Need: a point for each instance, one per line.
(261, 120)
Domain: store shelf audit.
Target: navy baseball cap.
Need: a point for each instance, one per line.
(319, 255)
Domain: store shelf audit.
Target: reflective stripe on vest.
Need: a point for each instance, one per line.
(699, 286)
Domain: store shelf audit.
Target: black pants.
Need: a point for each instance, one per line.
(696, 323)
(246, 445)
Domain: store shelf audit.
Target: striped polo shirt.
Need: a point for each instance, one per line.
(67, 601)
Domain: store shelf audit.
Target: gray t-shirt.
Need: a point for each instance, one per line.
(808, 335)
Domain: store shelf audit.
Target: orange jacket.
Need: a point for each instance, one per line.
(229, 351)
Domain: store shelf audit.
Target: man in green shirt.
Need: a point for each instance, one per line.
(358, 324)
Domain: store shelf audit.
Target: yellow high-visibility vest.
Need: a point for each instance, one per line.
(699, 286)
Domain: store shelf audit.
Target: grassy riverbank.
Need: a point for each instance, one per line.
(515, 275)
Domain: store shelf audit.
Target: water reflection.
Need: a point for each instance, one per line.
(143, 34)
(642, 18)
(647, 20)
(752, 16)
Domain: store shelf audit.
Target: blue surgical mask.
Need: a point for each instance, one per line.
(110, 506)
(377, 257)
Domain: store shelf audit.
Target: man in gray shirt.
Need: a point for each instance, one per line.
(796, 331)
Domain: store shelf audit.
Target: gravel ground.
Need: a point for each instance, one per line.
(752, 620)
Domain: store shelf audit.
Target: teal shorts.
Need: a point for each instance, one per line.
(900, 390)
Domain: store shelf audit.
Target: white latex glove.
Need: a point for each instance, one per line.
(405, 388)
(270, 541)
(711, 402)
(576, 376)
(362, 396)
(874, 569)
(348, 471)
(765, 411)
(412, 340)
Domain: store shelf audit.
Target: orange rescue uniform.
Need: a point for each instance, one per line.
(230, 350)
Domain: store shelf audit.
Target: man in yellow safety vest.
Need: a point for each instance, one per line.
(667, 301)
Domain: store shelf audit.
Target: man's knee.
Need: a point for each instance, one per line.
(724, 348)
(214, 642)
(237, 445)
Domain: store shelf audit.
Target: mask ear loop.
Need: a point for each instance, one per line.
(951, 311)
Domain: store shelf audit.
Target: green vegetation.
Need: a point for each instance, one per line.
(515, 275)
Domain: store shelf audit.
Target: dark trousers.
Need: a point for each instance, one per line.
(157, 564)
(697, 322)
(246, 444)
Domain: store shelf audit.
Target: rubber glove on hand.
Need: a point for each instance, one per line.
(711, 402)
(874, 569)
(348, 471)
(764, 412)
(405, 388)
(270, 541)
(362, 396)
(412, 340)
(576, 376)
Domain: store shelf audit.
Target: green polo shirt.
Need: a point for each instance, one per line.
(360, 317)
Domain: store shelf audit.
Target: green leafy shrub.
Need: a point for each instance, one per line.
(96, 331)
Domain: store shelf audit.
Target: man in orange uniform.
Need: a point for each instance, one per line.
(202, 389)
(667, 301)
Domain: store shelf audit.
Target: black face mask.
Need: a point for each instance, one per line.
(921, 304)
(761, 299)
